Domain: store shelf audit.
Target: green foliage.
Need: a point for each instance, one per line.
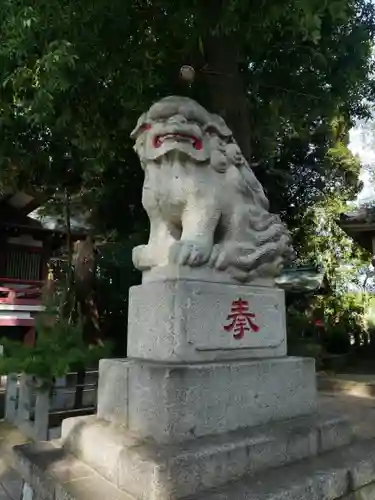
(345, 321)
(115, 274)
(303, 336)
(343, 328)
(320, 239)
(59, 347)
(76, 76)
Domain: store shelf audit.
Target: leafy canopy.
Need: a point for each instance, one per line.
(76, 76)
(289, 76)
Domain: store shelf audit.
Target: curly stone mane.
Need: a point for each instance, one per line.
(263, 244)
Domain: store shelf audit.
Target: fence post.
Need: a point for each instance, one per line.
(27, 492)
(42, 406)
(24, 399)
(11, 398)
(23, 421)
(38, 429)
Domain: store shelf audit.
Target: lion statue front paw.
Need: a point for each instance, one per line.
(189, 253)
(218, 258)
(141, 257)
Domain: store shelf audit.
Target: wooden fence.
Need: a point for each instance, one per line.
(38, 414)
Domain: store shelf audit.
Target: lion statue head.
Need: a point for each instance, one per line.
(205, 205)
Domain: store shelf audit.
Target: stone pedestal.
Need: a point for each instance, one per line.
(199, 412)
(205, 395)
(190, 321)
(175, 402)
(207, 360)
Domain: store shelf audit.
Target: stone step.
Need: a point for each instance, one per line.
(54, 474)
(149, 470)
(346, 474)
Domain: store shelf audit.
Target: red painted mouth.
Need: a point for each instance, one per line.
(194, 141)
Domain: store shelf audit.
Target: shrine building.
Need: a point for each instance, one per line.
(26, 247)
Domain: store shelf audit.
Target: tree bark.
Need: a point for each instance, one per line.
(222, 76)
(69, 298)
(226, 88)
(84, 263)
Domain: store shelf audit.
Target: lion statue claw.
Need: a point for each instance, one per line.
(189, 253)
(206, 207)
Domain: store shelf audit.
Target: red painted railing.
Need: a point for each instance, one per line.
(20, 292)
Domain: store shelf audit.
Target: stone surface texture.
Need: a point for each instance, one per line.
(205, 205)
(174, 272)
(190, 321)
(148, 470)
(55, 475)
(171, 402)
(11, 483)
(332, 475)
(328, 477)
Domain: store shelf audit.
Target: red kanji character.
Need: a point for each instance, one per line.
(242, 319)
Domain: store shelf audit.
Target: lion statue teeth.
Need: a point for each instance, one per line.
(205, 205)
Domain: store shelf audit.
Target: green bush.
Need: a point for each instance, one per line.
(59, 347)
(336, 339)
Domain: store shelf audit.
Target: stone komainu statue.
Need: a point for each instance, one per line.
(205, 205)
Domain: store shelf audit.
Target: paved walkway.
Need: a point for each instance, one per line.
(11, 485)
(10, 482)
(360, 411)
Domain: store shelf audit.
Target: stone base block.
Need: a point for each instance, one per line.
(346, 474)
(200, 321)
(173, 272)
(150, 471)
(319, 457)
(175, 402)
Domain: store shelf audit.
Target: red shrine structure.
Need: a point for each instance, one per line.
(26, 247)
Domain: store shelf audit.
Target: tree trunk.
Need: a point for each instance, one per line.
(78, 395)
(69, 298)
(226, 88)
(84, 263)
(222, 76)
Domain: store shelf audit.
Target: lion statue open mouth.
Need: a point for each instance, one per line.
(205, 205)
